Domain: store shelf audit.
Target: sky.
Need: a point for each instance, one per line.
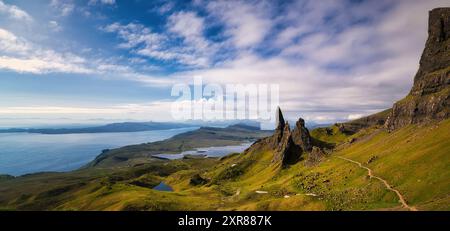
(110, 60)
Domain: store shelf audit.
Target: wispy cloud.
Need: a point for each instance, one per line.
(166, 7)
(63, 7)
(190, 27)
(18, 54)
(143, 41)
(333, 59)
(9, 43)
(156, 111)
(308, 86)
(246, 22)
(54, 26)
(105, 2)
(14, 12)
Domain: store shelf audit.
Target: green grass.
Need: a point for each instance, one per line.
(330, 135)
(413, 159)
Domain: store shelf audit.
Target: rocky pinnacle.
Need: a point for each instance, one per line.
(289, 146)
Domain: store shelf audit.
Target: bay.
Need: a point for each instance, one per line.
(22, 153)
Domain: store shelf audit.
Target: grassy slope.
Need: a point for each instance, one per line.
(333, 135)
(127, 188)
(413, 159)
(330, 135)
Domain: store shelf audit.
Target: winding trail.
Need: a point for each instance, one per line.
(388, 186)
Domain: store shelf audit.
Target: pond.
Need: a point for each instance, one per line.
(163, 187)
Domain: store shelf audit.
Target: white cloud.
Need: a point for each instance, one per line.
(166, 7)
(336, 60)
(248, 23)
(135, 34)
(18, 54)
(63, 7)
(40, 65)
(14, 12)
(9, 43)
(142, 41)
(54, 26)
(155, 111)
(189, 26)
(354, 116)
(105, 2)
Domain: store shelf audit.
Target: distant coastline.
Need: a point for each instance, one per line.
(108, 128)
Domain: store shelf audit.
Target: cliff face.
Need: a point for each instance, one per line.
(430, 95)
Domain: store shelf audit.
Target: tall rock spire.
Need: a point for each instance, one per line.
(289, 146)
(280, 118)
(300, 135)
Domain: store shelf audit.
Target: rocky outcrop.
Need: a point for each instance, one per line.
(197, 180)
(429, 97)
(281, 131)
(352, 127)
(289, 146)
(315, 156)
(301, 137)
(286, 151)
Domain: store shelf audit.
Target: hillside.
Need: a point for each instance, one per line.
(413, 159)
(118, 170)
(397, 159)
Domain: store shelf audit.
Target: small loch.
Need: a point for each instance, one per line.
(207, 152)
(163, 187)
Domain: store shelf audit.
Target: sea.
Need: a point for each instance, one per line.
(23, 153)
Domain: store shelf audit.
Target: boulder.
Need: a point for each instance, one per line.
(315, 156)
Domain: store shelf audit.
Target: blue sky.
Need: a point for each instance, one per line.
(96, 60)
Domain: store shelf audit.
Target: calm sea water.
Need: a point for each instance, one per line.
(22, 153)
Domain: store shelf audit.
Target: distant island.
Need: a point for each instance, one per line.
(143, 126)
(114, 127)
